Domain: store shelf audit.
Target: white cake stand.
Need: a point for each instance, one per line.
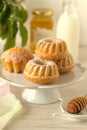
(43, 94)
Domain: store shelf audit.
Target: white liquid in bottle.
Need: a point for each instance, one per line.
(68, 28)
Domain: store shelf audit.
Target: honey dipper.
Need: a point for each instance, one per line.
(77, 105)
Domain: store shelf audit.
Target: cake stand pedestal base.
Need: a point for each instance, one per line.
(41, 96)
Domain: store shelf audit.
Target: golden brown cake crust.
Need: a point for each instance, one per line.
(41, 80)
(15, 59)
(51, 49)
(16, 54)
(41, 71)
(66, 64)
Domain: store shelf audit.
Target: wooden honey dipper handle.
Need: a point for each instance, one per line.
(77, 105)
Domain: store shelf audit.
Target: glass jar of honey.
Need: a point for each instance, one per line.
(41, 26)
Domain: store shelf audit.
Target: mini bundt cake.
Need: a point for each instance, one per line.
(51, 49)
(66, 64)
(41, 71)
(15, 59)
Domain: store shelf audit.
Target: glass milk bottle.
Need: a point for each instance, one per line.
(68, 27)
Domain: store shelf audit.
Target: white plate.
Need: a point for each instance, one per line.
(64, 79)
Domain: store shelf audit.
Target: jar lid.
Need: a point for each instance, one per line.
(42, 11)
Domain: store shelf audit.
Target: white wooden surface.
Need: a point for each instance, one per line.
(39, 117)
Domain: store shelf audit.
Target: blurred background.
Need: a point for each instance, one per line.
(56, 6)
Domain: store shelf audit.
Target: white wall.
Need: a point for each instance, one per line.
(82, 10)
(56, 6)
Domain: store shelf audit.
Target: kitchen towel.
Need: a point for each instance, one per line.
(9, 104)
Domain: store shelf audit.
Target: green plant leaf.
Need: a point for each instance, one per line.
(1, 5)
(23, 14)
(6, 13)
(24, 34)
(12, 28)
(12, 19)
(20, 14)
(10, 42)
(3, 30)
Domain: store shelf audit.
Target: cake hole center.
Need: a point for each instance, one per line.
(40, 62)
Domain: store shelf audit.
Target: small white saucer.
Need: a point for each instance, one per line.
(62, 112)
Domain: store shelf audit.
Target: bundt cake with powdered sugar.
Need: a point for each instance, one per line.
(41, 71)
(15, 59)
(66, 64)
(51, 49)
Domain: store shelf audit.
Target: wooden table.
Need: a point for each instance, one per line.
(40, 117)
